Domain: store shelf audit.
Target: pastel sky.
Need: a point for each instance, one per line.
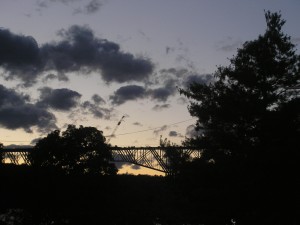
(90, 62)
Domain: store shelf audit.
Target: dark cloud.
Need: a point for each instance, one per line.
(19, 56)
(92, 7)
(89, 7)
(161, 129)
(161, 94)
(161, 107)
(182, 101)
(175, 77)
(173, 133)
(122, 165)
(143, 34)
(26, 116)
(16, 112)
(125, 93)
(174, 72)
(14, 146)
(296, 40)
(98, 100)
(42, 4)
(198, 78)
(96, 110)
(34, 141)
(78, 51)
(9, 97)
(50, 76)
(191, 131)
(59, 77)
(58, 99)
(169, 49)
(183, 56)
(168, 83)
(181, 53)
(135, 167)
(163, 86)
(228, 44)
(134, 92)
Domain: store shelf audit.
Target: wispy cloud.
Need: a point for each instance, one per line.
(159, 130)
(77, 6)
(137, 124)
(228, 44)
(159, 108)
(174, 133)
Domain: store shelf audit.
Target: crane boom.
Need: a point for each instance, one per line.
(113, 133)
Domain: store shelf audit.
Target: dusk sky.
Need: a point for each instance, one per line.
(89, 62)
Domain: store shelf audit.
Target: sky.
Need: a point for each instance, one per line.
(91, 62)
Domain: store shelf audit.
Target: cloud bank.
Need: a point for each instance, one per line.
(16, 112)
(161, 88)
(77, 51)
(58, 99)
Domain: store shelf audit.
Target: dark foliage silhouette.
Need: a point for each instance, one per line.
(79, 150)
(1, 154)
(240, 112)
(250, 121)
(176, 158)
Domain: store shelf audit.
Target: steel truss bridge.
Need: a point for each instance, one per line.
(149, 157)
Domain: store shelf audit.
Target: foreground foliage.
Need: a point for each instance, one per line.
(76, 151)
(253, 106)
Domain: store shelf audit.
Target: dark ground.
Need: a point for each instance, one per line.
(49, 198)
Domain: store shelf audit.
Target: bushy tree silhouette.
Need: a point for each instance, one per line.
(79, 150)
(250, 118)
(253, 103)
(176, 158)
(1, 154)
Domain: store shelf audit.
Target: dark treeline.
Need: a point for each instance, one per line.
(248, 129)
(50, 198)
(212, 196)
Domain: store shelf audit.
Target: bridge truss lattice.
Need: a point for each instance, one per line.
(149, 157)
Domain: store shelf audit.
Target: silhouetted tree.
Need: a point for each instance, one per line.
(250, 122)
(76, 151)
(1, 154)
(253, 103)
(176, 158)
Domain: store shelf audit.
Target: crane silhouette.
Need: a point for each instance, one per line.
(114, 131)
